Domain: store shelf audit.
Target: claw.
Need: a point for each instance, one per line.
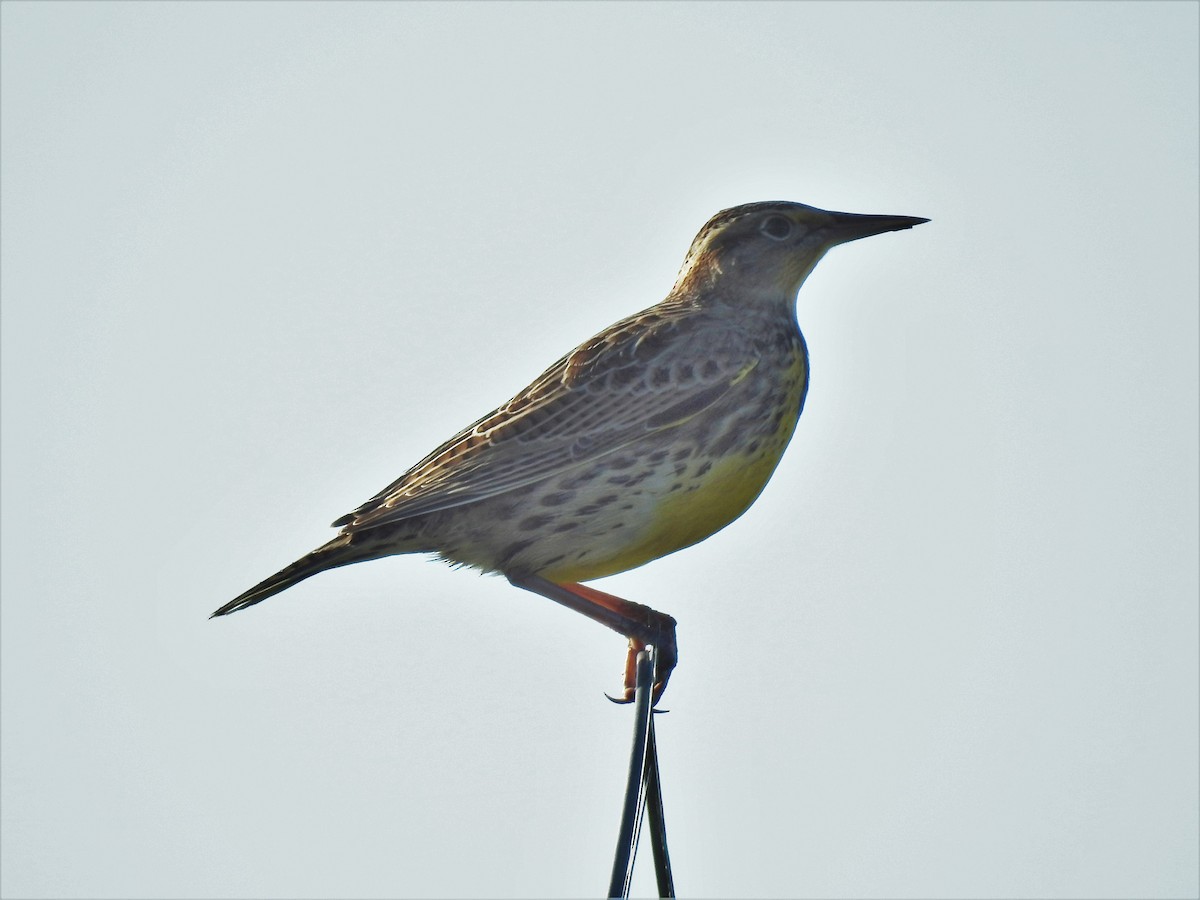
(664, 663)
(655, 696)
(665, 659)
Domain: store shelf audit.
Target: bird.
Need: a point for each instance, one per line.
(645, 439)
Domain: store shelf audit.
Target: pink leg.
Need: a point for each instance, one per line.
(641, 624)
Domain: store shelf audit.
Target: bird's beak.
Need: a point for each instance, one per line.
(852, 226)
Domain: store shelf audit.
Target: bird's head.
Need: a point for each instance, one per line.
(769, 248)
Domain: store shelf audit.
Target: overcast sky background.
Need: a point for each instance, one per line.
(260, 258)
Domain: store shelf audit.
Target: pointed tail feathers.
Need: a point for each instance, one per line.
(337, 552)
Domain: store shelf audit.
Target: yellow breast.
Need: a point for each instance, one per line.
(712, 494)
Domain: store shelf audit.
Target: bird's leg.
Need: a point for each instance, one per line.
(660, 628)
(641, 624)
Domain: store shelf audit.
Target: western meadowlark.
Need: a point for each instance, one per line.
(647, 438)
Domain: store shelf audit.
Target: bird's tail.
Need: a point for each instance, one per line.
(338, 552)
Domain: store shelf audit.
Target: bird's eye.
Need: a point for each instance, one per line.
(776, 227)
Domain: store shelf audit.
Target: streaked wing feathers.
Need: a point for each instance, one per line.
(610, 392)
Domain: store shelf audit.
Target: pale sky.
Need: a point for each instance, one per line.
(258, 259)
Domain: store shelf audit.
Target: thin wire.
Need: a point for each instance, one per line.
(658, 824)
(635, 789)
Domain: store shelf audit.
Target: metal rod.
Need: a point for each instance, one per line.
(635, 789)
(654, 813)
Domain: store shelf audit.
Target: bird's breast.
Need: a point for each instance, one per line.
(672, 491)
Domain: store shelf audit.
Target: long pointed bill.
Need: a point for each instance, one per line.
(852, 226)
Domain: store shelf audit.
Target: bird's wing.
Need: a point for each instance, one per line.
(617, 388)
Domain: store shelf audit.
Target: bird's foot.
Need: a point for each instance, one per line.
(665, 658)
